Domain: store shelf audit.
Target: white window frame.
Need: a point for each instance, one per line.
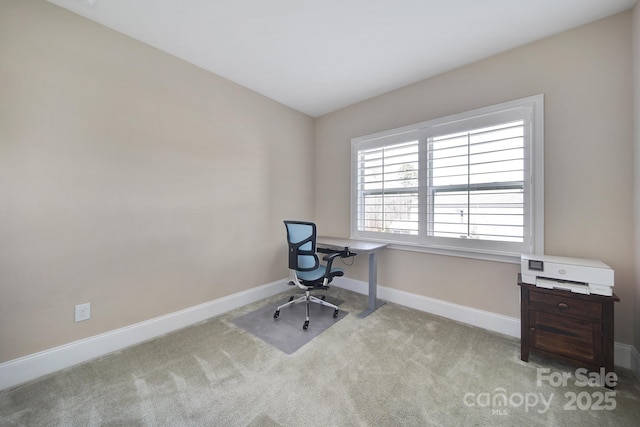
(532, 110)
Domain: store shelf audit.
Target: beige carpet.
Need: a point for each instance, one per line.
(396, 367)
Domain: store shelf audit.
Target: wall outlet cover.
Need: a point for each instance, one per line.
(83, 312)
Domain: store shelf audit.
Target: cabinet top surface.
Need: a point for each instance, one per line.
(567, 293)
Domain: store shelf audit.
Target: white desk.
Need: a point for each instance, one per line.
(359, 247)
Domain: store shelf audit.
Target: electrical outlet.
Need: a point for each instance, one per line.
(83, 312)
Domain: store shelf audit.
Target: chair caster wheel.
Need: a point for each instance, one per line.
(335, 314)
(276, 314)
(306, 325)
(291, 298)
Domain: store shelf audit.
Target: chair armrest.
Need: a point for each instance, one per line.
(330, 257)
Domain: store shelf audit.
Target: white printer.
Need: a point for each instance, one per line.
(583, 276)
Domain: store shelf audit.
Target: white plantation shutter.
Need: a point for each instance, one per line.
(388, 189)
(476, 184)
(468, 183)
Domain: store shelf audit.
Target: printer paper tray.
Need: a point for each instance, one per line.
(574, 287)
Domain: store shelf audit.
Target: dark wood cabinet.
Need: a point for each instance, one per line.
(571, 327)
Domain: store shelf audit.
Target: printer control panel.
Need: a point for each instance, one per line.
(536, 265)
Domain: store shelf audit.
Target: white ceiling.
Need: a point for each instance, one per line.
(319, 56)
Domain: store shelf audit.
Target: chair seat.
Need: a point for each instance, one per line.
(318, 273)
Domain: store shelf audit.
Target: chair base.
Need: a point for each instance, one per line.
(308, 299)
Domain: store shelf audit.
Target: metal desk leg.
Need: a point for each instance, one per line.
(374, 303)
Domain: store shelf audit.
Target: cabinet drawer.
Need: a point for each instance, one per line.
(565, 305)
(579, 339)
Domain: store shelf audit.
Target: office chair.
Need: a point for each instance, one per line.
(305, 269)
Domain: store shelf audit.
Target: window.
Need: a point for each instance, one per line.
(469, 184)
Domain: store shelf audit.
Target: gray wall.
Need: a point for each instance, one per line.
(135, 181)
(585, 75)
(132, 180)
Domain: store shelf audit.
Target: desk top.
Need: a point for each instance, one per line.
(355, 246)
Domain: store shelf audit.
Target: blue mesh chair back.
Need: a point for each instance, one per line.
(301, 237)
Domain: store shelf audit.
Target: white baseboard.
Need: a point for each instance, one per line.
(35, 365)
(472, 316)
(624, 355)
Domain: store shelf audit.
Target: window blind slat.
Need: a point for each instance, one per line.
(459, 164)
(388, 180)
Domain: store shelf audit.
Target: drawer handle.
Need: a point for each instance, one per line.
(563, 306)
